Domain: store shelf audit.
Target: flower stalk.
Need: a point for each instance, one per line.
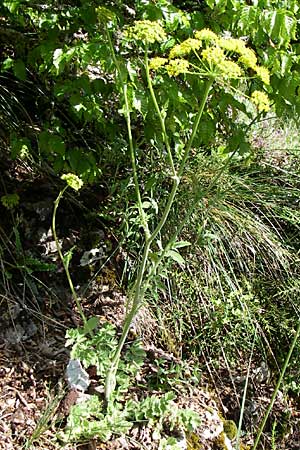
(63, 259)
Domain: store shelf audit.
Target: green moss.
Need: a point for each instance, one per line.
(193, 442)
(230, 429)
(220, 442)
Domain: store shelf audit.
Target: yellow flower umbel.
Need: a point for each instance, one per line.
(205, 54)
(177, 66)
(263, 74)
(73, 181)
(157, 62)
(229, 70)
(146, 31)
(219, 64)
(248, 59)
(232, 45)
(261, 100)
(206, 35)
(213, 55)
(185, 48)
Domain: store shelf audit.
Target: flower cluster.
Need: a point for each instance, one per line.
(221, 57)
(232, 45)
(185, 48)
(206, 35)
(229, 70)
(146, 31)
(248, 59)
(216, 59)
(177, 66)
(156, 63)
(73, 181)
(213, 55)
(263, 74)
(261, 100)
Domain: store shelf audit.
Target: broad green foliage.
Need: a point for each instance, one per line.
(70, 57)
(272, 27)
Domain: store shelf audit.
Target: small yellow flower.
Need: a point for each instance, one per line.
(206, 35)
(73, 181)
(157, 62)
(213, 55)
(263, 74)
(261, 100)
(248, 59)
(229, 69)
(232, 45)
(185, 48)
(147, 31)
(177, 66)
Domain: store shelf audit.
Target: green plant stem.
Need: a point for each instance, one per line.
(286, 363)
(207, 87)
(160, 116)
(194, 203)
(139, 288)
(123, 84)
(238, 435)
(56, 203)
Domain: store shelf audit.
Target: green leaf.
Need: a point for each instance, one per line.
(90, 325)
(39, 266)
(7, 64)
(176, 257)
(68, 256)
(140, 101)
(19, 69)
(181, 244)
(280, 25)
(51, 143)
(20, 147)
(12, 5)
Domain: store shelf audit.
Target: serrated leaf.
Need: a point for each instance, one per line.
(280, 25)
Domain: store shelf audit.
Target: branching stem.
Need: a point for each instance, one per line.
(141, 284)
